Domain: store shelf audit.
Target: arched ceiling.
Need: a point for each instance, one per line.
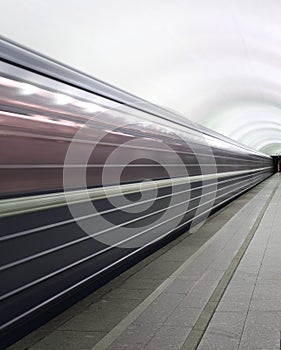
(216, 62)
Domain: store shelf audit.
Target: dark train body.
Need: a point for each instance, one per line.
(91, 176)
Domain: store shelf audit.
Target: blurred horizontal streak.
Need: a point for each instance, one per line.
(15, 206)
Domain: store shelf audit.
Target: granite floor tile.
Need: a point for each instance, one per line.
(160, 309)
(121, 346)
(262, 331)
(199, 294)
(158, 270)
(267, 297)
(180, 286)
(62, 340)
(215, 341)
(178, 253)
(142, 283)
(101, 316)
(168, 338)
(136, 334)
(127, 294)
(183, 316)
(228, 324)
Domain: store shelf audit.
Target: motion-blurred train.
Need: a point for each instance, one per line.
(92, 178)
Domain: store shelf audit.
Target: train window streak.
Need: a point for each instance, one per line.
(119, 243)
(15, 263)
(38, 202)
(83, 281)
(211, 154)
(61, 223)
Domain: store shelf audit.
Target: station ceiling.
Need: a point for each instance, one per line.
(215, 62)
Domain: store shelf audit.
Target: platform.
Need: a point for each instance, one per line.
(218, 288)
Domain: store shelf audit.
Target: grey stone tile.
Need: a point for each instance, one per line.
(158, 270)
(89, 321)
(102, 316)
(127, 294)
(199, 294)
(237, 297)
(168, 338)
(193, 273)
(121, 346)
(242, 277)
(249, 268)
(252, 260)
(204, 259)
(212, 275)
(183, 316)
(198, 267)
(178, 253)
(180, 286)
(272, 251)
(229, 324)
(160, 309)
(195, 240)
(142, 283)
(262, 331)
(232, 306)
(272, 264)
(217, 248)
(107, 305)
(62, 340)
(265, 305)
(236, 288)
(139, 334)
(169, 299)
(222, 262)
(269, 273)
(275, 239)
(215, 341)
(267, 297)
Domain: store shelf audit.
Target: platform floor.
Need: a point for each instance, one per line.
(218, 288)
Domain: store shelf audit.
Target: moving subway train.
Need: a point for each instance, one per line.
(92, 177)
